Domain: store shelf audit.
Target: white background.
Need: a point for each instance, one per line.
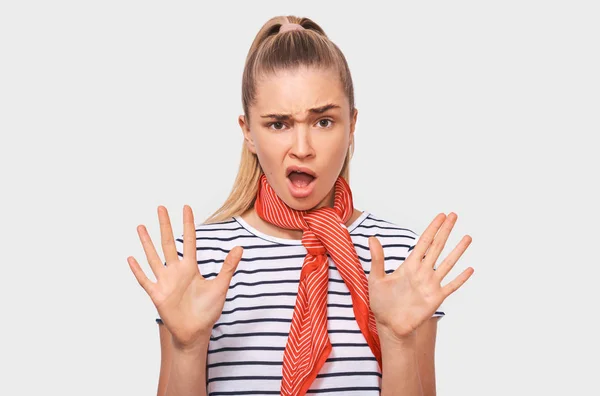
(488, 109)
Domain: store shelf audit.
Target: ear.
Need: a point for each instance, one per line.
(353, 125)
(247, 135)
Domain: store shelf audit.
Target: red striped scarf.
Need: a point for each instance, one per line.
(324, 232)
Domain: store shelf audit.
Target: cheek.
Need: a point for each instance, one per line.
(337, 155)
(269, 152)
(337, 148)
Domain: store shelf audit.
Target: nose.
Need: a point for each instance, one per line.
(302, 145)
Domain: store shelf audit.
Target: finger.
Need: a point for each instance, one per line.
(230, 264)
(166, 235)
(457, 282)
(377, 259)
(439, 241)
(189, 233)
(449, 262)
(139, 274)
(427, 237)
(151, 255)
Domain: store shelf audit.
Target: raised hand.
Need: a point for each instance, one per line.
(188, 304)
(404, 299)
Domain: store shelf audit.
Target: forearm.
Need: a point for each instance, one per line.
(187, 376)
(400, 375)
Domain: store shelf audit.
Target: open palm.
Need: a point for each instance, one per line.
(187, 303)
(404, 299)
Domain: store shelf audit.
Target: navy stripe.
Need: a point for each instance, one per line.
(253, 308)
(219, 229)
(285, 257)
(343, 331)
(349, 374)
(339, 305)
(247, 377)
(387, 258)
(273, 334)
(246, 247)
(254, 334)
(263, 283)
(259, 270)
(384, 246)
(274, 320)
(246, 348)
(252, 321)
(371, 216)
(260, 295)
(250, 259)
(264, 246)
(367, 272)
(355, 388)
(383, 228)
(391, 245)
(245, 363)
(351, 359)
(338, 293)
(223, 239)
(384, 236)
(280, 294)
(284, 281)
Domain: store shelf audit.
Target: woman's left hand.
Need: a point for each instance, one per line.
(404, 299)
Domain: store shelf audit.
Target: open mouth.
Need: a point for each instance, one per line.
(300, 179)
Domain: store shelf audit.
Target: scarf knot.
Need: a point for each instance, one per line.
(313, 235)
(313, 245)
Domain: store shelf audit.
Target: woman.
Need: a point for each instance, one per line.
(286, 289)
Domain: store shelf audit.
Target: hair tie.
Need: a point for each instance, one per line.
(286, 27)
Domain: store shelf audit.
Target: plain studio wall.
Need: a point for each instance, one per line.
(488, 109)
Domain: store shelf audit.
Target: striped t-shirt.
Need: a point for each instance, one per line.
(246, 348)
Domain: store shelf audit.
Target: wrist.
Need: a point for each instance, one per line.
(195, 348)
(389, 339)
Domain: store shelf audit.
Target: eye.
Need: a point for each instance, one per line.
(277, 124)
(326, 120)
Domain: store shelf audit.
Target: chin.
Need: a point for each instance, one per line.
(303, 206)
(306, 203)
(301, 203)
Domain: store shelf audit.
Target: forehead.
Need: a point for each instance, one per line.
(294, 91)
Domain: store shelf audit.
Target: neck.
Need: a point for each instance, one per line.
(252, 218)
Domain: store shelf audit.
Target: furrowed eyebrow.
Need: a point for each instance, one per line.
(315, 110)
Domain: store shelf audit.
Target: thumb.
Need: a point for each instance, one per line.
(230, 264)
(377, 262)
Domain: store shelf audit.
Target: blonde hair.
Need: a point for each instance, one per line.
(272, 51)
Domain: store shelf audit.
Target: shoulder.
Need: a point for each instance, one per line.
(217, 231)
(397, 240)
(386, 230)
(214, 241)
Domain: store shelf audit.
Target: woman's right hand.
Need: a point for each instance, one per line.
(188, 304)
